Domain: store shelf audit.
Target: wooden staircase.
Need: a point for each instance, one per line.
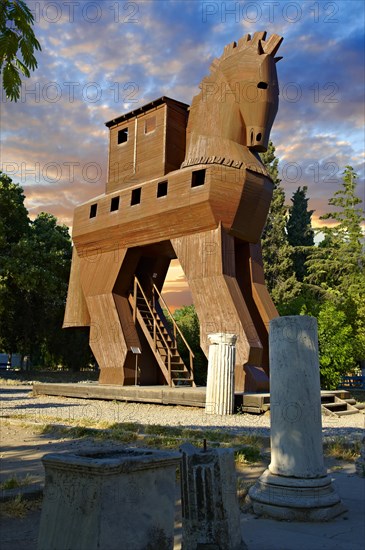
(339, 404)
(162, 336)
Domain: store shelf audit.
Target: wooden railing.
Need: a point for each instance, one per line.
(176, 330)
(156, 326)
(354, 382)
(158, 335)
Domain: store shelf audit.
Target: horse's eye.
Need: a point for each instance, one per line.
(262, 85)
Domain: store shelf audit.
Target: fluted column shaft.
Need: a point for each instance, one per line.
(220, 380)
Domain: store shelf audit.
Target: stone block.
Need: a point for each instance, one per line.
(210, 511)
(109, 500)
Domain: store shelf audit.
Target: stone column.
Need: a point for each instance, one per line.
(220, 380)
(210, 511)
(295, 486)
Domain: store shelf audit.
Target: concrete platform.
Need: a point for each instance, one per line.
(163, 395)
(256, 403)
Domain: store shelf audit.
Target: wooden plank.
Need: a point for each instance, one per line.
(99, 269)
(76, 312)
(192, 397)
(150, 154)
(149, 339)
(107, 340)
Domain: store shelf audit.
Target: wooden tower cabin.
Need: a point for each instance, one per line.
(187, 183)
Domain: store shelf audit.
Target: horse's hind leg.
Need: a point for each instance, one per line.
(208, 260)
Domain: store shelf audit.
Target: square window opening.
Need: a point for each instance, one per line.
(162, 189)
(198, 178)
(122, 136)
(93, 210)
(114, 204)
(150, 125)
(136, 196)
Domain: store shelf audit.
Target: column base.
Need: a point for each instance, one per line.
(297, 499)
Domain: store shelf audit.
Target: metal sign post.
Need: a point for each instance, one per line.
(136, 352)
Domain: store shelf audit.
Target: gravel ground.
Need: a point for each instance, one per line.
(18, 400)
(23, 447)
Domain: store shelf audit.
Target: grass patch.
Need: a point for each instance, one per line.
(247, 455)
(164, 437)
(127, 427)
(14, 482)
(116, 432)
(162, 442)
(342, 449)
(157, 429)
(19, 507)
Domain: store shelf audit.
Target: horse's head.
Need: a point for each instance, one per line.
(241, 93)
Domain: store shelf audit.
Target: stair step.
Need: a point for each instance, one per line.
(343, 413)
(327, 399)
(336, 406)
(164, 345)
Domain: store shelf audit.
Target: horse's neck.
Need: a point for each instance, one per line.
(216, 129)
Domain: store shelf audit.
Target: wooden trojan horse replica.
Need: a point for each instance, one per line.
(183, 183)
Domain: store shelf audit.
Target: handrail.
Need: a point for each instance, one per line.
(173, 321)
(155, 324)
(176, 327)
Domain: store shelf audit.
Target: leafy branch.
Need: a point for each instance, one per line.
(17, 39)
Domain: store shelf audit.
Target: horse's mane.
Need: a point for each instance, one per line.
(257, 45)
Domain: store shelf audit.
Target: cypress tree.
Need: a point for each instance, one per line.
(276, 250)
(300, 232)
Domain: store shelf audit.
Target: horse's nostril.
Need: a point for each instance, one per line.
(258, 137)
(252, 136)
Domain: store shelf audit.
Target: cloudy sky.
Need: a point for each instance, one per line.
(103, 58)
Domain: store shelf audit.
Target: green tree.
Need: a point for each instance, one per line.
(337, 345)
(14, 224)
(340, 258)
(188, 322)
(336, 272)
(34, 271)
(300, 232)
(276, 250)
(17, 45)
(13, 217)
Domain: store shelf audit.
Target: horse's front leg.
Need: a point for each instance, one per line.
(208, 260)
